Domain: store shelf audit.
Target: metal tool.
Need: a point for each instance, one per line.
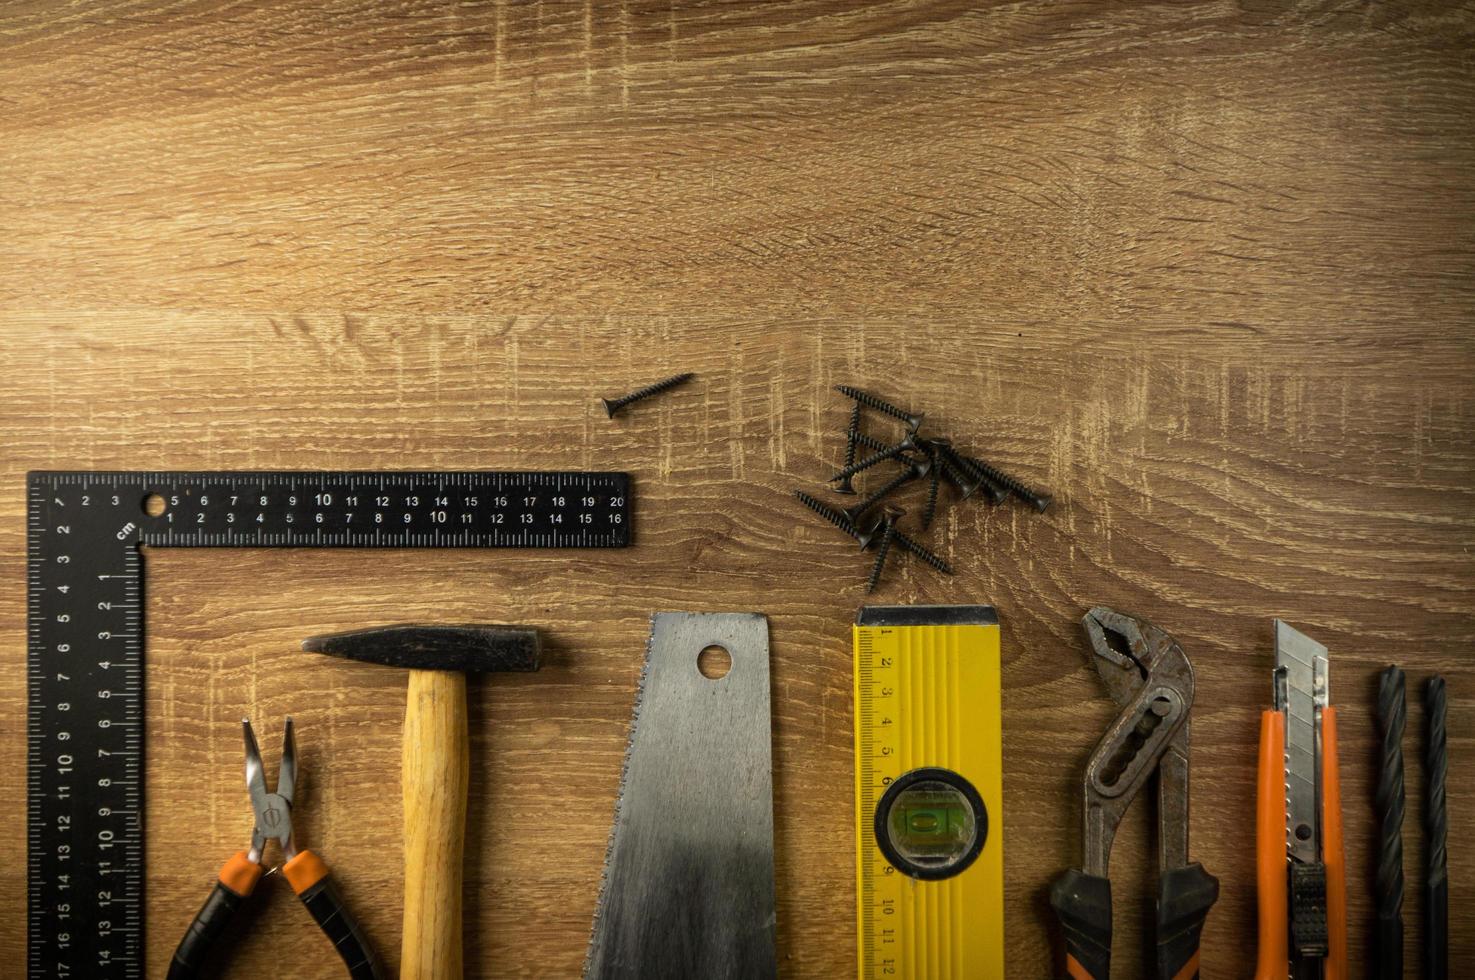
(1389, 801)
(1436, 832)
(1149, 676)
(1301, 874)
(688, 881)
(304, 870)
(434, 766)
(85, 642)
(929, 831)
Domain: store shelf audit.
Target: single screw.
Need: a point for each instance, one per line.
(613, 405)
(930, 511)
(909, 545)
(912, 472)
(888, 533)
(890, 452)
(852, 432)
(913, 422)
(1039, 501)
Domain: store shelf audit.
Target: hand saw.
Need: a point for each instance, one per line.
(688, 880)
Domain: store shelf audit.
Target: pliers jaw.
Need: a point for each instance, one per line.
(271, 811)
(1149, 676)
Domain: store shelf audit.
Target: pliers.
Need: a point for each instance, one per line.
(1149, 676)
(304, 870)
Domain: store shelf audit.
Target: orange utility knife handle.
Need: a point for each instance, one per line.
(1332, 853)
(310, 879)
(237, 881)
(1270, 850)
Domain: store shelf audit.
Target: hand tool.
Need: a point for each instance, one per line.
(613, 406)
(1149, 676)
(688, 880)
(305, 871)
(1301, 873)
(1388, 936)
(929, 840)
(85, 642)
(1436, 831)
(434, 766)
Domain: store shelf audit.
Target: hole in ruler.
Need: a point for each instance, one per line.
(714, 662)
(153, 505)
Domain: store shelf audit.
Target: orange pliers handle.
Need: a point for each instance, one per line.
(1270, 850)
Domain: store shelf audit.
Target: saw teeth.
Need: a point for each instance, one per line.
(614, 825)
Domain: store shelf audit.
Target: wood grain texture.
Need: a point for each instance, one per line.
(1206, 271)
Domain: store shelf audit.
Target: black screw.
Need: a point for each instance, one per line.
(852, 432)
(996, 494)
(966, 482)
(871, 401)
(909, 545)
(613, 405)
(1039, 501)
(930, 511)
(890, 452)
(912, 472)
(888, 533)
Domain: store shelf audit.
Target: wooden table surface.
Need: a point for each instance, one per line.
(1206, 271)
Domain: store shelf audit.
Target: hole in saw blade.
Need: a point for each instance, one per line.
(714, 662)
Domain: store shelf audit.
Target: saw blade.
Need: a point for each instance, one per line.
(688, 879)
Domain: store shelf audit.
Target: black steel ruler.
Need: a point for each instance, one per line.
(85, 588)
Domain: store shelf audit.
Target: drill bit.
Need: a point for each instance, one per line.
(1389, 802)
(1436, 826)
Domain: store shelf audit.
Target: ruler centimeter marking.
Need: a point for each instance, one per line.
(85, 642)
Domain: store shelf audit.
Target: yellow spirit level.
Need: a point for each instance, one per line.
(929, 840)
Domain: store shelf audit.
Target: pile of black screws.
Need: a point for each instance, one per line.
(930, 458)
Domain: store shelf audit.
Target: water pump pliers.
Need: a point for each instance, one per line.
(1149, 676)
(304, 870)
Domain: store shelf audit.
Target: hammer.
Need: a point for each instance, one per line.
(434, 766)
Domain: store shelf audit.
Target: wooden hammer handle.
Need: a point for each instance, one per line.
(434, 779)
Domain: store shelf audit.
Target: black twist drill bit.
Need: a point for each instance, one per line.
(852, 433)
(871, 401)
(613, 405)
(890, 452)
(888, 534)
(1436, 829)
(1389, 802)
(1039, 501)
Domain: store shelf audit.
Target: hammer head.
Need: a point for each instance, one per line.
(467, 649)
